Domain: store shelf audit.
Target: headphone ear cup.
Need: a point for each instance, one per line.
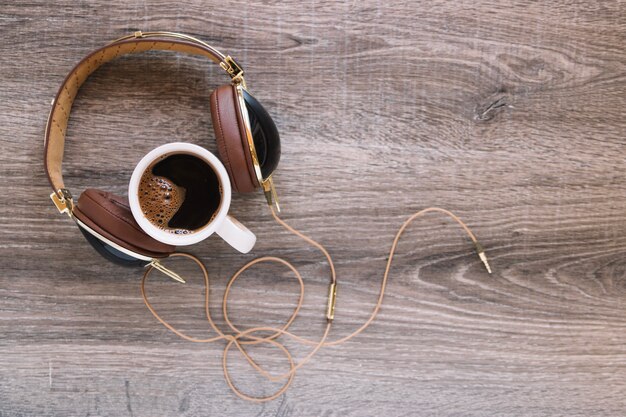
(231, 138)
(110, 216)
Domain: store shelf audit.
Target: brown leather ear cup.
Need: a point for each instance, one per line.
(110, 216)
(230, 135)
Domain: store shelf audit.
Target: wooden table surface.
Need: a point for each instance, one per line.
(511, 114)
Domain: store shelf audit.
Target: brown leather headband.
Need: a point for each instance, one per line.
(56, 127)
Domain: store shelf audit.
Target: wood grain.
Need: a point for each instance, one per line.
(509, 113)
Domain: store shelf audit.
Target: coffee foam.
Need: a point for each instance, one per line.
(160, 199)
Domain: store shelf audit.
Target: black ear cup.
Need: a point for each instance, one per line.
(109, 252)
(110, 216)
(265, 135)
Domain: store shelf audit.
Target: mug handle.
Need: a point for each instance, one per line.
(236, 234)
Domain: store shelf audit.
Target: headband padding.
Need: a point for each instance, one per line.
(232, 142)
(110, 216)
(62, 104)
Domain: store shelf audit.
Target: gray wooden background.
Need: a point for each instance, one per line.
(512, 114)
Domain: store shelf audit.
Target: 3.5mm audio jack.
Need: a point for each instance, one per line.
(481, 254)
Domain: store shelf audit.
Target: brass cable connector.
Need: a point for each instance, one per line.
(270, 193)
(481, 254)
(332, 299)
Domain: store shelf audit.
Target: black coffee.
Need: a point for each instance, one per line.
(180, 193)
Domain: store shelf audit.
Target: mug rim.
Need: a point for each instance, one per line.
(159, 234)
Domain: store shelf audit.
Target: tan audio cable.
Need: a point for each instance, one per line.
(240, 338)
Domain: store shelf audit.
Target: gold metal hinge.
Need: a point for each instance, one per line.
(234, 70)
(63, 201)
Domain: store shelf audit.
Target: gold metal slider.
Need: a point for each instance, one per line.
(332, 299)
(158, 266)
(138, 34)
(63, 201)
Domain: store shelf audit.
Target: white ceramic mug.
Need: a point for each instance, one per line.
(227, 227)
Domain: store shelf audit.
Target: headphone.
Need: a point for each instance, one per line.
(247, 141)
(249, 147)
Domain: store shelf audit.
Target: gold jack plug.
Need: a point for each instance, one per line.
(481, 254)
(159, 267)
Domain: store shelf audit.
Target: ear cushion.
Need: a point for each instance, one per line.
(230, 135)
(110, 216)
